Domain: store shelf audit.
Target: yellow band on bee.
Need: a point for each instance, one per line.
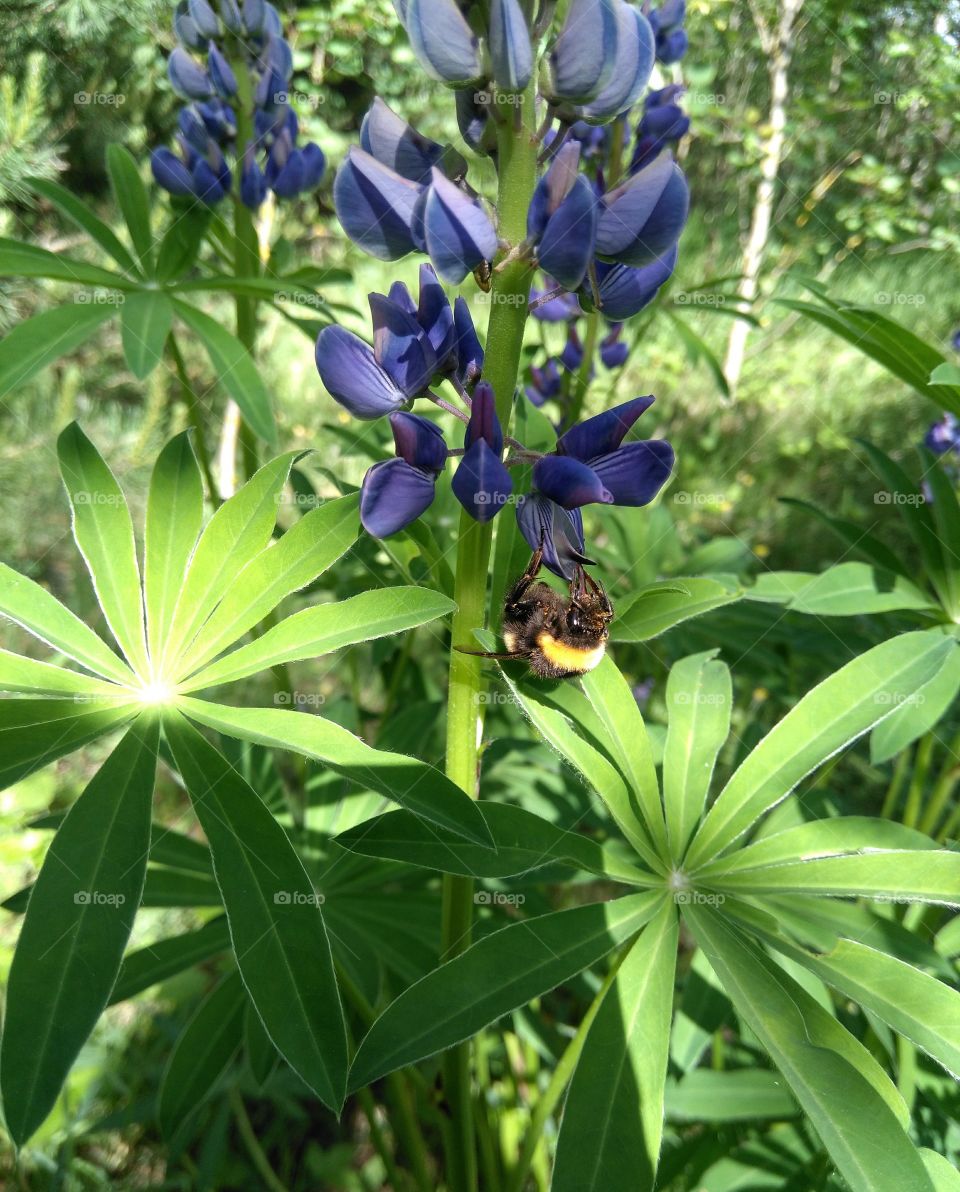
(571, 658)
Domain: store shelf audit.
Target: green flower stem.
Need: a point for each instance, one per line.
(943, 789)
(193, 413)
(517, 158)
(251, 1142)
(246, 246)
(921, 768)
(561, 1077)
(581, 382)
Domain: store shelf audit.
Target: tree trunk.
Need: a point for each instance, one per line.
(778, 46)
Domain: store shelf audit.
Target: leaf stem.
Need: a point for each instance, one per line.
(250, 1141)
(193, 413)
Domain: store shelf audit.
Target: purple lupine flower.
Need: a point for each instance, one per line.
(944, 435)
(375, 205)
(572, 355)
(221, 73)
(559, 309)
(203, 16)
(397, 144)
(667, 24)
(585, 51)
(469, 348)
(482, 483)
(625, 291)
(545, 382)
(187, 78)
(562, 219)
(442, 40)
(511, 53)
(558, 531)
(253, 185)
(457, 232)
(663, 123)
(613, 351)
(592, 464)
(643, 217)
(955, 341)
(396, 491)
(633, 64)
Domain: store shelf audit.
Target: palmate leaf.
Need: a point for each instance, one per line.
(458, 999)
(845, 590)
(613, 1119)
(29, 260)
(38, 341)
(658, 608)
(913, 717)
(165, 958)
(70, 206)
(77, 923)
(104, 534)
(820, 1061)
(133, 201)
(201, 1055)
(836, 712)
(145, 321)
(35, 732)
(276, 924)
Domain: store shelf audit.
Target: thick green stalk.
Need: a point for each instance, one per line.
(517, 153)
(196, 421)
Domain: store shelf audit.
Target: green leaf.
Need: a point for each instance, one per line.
(37, 342)
(834, 713)
(237, 532)
(500, 973)
(852, 536)
(614, 702)
(599, 773)
(76, 927)
(235, 369)
(698, 349)
(29, 260)
(917, 1006)
(104, 533)
(276, 924)
(145, 322)
(181, 243)
(34, 732)
(289, 563)
(131, 196)
(892, 875)
(844, 590)
(406, 780)
(944, 1176)
(324, 628)
(699, 701)
(523, 841)
(820, 838)
(174, 518)
(918, 714)
(945, 374)
(946, 520)
(202, 1054)
(821, 1062)
(40, 678)
(40, 613)
(613, 1118)
(70, 206)
(741, 1095)
(657, 609)
(165, 958)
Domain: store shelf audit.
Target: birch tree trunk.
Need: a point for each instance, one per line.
(777, 44)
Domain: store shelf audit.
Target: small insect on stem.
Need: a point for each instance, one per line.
(558, 636)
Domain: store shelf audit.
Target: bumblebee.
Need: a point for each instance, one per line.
(558, 636)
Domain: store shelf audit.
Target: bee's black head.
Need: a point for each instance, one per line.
(589, 612)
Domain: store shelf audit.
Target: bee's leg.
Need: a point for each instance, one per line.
(487, 653)
(598, 590)
(517, 592)
(578, 585)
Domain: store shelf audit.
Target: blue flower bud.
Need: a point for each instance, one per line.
(314, 164)
(545, 382)
(672, 47)
(562, 219)
(279, 58)
(395, 143)
(221, 73)
(203, 17)
(469, 348)
(473, 120)
(572, 355)
(288, 179)
(435, 318)
(613, 352)
(509, 43)
(943, 436)
(253, 185)
(254, 16)
(442, 40)
(352, 376)
(559, 531)
(210, 184)
(632, 67)
(400, 346)
(558, 309)
(170, 172)
(625, 291)
(185, 29)
(193, 128)
(482, 482)
(585, 51)
(457, 232)
(396, 492)
(272, 25)
(644, 216)
(375, 206)
(230, 15)
(189, 80)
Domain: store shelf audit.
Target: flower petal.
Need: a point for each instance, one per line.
(375, 205)
(400, 346)
(569, 482)
(353, 377)
(170, 172)
(419, 441)
(567, 245)
(469, 348)
(482, 482)
(584, 54)
(635, 56)
(187, 78)
(636, 472)
(457, 231)
(604, 432)
(442, 40)
(394, 494)
(484, 423)
(543, 523)
(509, 45)
(625, 291)
(436, 317)
(395, 143)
